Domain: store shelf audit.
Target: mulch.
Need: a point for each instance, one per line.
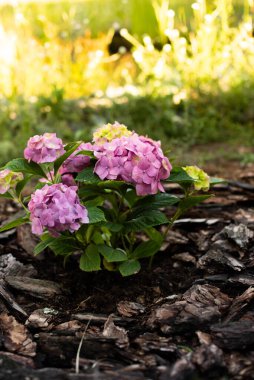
(189, 317)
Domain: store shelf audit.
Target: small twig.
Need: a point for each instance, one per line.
(80, 346)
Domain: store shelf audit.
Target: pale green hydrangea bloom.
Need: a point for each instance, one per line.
(202, 180)
(9, 180)
(109, 132)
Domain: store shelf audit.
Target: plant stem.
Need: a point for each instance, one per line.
(18, 200)
(172, 221)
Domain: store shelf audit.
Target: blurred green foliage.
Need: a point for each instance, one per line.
(226, 118)
(189, 80)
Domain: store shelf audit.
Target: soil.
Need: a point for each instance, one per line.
(190, 317)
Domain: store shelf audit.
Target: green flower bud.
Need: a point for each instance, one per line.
(109, 132)
(202, 181)
(9, 180)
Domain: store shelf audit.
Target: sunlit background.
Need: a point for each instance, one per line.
(178, 70)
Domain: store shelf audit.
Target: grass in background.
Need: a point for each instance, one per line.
(227, 119)
(56, 73)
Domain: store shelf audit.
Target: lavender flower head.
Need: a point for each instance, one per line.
(9, 179)
(134, 159)
(44, 148)
(56, 208)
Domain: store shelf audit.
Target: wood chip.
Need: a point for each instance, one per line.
(9, 300)
(70, 326)
(208, 357)
(60, 350)
(182, 369)
(221, 257)
(112, 331)
(243, 278)
(152, 342)
(10, 266)
(240, 366)
(240, 304)
(40, 318)
(34, 287)
(185, 257)
(27, 240)
(129, 309)
(199, 305)
(16, 337)
(25, 361)
(240, 234)
(204, 338)
(236, 335)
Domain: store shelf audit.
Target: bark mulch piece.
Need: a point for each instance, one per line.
(190, 317)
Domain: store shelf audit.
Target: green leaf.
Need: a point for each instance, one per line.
(40, 185)
(6, 195)
(216, 181)
(112, 254)
(153, 202)
(131, 196)
(70, 145)
(20, 186)
(64, 157)
(148, 219)
(64, 245)
(22, 165)
(14, 223)
(113, 227)
(146, 249)
(187, 203)
(129, 267)
(88, 153)
(155, 235)
(87, 176)
(179, 175)
(112, 184)
(95, 215)
(97, 238)
(43, 245)
(90, 260)
(98, 201)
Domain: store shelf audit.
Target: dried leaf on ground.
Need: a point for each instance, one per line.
(110, 330)
(16, 337)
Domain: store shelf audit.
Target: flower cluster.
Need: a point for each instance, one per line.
(109, 132)
(202, 180)
(134, 159)
(57, 208)
(8, 180)
(45, 148)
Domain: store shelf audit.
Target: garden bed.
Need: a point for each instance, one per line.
(189, 317)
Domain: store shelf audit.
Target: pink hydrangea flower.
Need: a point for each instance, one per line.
(76, 163)
(44, 148)
(56, 208)
(135, 159)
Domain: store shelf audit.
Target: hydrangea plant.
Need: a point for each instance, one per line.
(103, 200)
